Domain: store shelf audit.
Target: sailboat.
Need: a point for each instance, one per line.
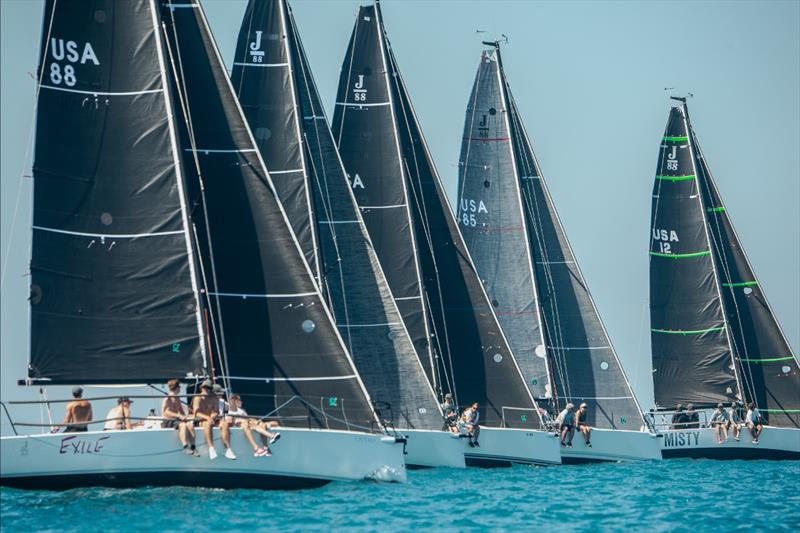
(531, 275)
(161, 250)
(714, 336)
(428, 268)
(273, 80)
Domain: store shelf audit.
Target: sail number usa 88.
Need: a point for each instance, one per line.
(71, 53)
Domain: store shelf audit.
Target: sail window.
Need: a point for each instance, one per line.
(540, 351)
(106, 219)
(309, 326)
(748, 290)
(263, 134)
(498, 358)
(786, 369)
(492, 111)
(392, 335)
(495, 303)
(486, 184)
(604, 365)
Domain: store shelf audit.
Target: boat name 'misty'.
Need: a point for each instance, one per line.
(684, 439)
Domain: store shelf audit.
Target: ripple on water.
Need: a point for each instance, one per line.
(675, 495)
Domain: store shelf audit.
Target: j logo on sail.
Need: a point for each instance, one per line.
(672, 159)
(483, 128)
(359, 93)
(256, 54)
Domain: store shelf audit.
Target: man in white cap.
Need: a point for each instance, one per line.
(582, 421)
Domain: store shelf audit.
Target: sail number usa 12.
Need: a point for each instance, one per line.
(66, 54)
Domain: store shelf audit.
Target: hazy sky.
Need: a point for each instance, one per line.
(589, 79)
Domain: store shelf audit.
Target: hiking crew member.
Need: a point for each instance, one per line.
(719, 421)
(754, 421)
(450, 414)
(119, 417)
(78, 412)
(566, 423)
(237, 417)
(206, 410)
(734, 421)
(471, 417)
(582, 421)
(175, 416)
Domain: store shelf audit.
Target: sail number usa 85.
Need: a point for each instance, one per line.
(71, 53)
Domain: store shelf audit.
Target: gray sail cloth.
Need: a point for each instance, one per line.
(546, 288)
(769, 369)
(692, 359)
(356, 289)
(112, 293)
(261, 76)
(362, 104)
(491, 220)
(280, 348)
(474, 360)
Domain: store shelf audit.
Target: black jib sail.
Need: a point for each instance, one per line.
(352, 279)
(522, 253)
(692, 354)
(279, 347)
(113, 288)
(769, 369)
(409, 219)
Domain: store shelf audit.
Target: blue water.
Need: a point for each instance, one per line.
(674, 495)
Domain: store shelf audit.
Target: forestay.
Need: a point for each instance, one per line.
(280, 347)
(352, 279)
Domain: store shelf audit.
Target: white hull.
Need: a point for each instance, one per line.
(503, 446)
(613, 445)
(301, 458)
(774, 443)
(426, 448)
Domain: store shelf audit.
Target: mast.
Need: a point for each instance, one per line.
(114, 295)
(768, 367)
(692, 355)
(284, 353)
(356, 289)
(474, 354)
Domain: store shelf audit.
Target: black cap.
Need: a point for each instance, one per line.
(124, 399)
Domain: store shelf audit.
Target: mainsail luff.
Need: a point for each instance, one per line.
(768, 367)
(261, 55)
(284, 354)
(364, 100)
(472, 346)
(692, 356)
(357, 292)
(113, 289)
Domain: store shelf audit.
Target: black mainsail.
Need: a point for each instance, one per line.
(114, 295)
(692, 354)
(767, 367)
(522, 253)
(417, 239)
(352, 278)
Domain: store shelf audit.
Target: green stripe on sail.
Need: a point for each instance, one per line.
(741, 284)
(780, 410)
(681, 256)
(676, 139)
(675, 178)
(687, 332)
(768, 360)
(715, 209)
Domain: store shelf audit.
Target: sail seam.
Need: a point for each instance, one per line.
(376, 104)
(676, 139)
(290, 171)
(262, 295)
(218, 151)
(676, 178)
(310, 378)
(377, 324)
(246, 64)
(101, 93)
(688, 332)
(681, 256)
(109, 235)
(741, 284)
(767, 359)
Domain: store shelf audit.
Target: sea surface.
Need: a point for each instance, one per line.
(674, 495)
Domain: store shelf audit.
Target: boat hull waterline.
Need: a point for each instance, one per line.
(505, 446)
(613, 445)
(774, 443)
(427, 448)
(302, 458)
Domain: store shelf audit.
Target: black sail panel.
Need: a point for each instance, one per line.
(768, 367)
(113, 293)
(261, 76)
(475, 356)
(364, 129)
(692, 360)
(491, 219)
(584, 365)
(281, 349)
(359, 297)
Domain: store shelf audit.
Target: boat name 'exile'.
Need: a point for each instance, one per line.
(74, 446)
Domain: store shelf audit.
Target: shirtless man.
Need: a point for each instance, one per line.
(206, 410)
(174, 416)
(78, 412)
